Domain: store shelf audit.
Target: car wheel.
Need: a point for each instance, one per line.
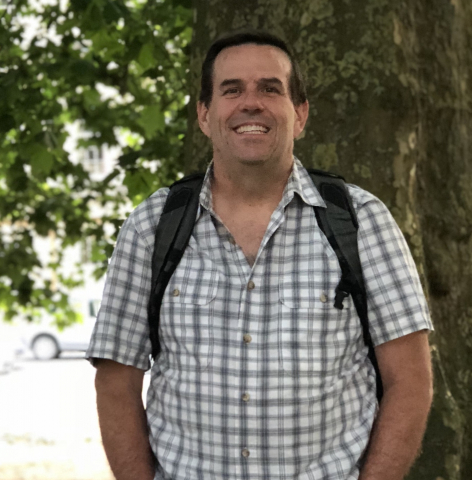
(45, 347)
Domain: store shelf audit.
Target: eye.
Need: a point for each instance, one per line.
(271, 90)
(231, 91)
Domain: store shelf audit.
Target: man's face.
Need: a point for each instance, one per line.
(251, 118)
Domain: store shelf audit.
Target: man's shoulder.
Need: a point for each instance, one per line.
(360, 197)
(147, 214)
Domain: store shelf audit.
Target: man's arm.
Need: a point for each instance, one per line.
(405, 367)
(122, 420)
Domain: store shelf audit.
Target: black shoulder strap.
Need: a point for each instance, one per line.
(338, 221)
(172, 235)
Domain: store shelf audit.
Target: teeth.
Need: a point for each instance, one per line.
(252, 129)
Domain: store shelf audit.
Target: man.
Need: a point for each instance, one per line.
(259, 376)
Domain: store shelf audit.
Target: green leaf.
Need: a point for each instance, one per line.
(103, 41)
(152, 120)
(41, 161)
(7, 122)
(83, 70)
(129, 158)
(92, 98)
(146, 56)
(137, 183)
(111, 12)
(93, 19)
(80, 5)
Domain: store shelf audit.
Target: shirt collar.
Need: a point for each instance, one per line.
(301, 183)
(298, 182)
(205, 194)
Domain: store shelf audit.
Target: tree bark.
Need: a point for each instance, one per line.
(389, 84)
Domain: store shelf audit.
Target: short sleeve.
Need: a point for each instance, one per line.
(121, 332)
(396, 302)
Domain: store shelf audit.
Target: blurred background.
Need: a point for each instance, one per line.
(97, 111)
(82, 137)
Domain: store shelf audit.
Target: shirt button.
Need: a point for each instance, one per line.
(232, 241)
(176, 292)
(245, 397)
(247, 338)
(323, 297)
(251, 285)
(245, 452)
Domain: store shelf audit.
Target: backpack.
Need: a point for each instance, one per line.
(338, 222)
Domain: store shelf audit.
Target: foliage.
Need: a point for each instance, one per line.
(118, 69)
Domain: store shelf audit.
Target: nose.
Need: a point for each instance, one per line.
(251, 101)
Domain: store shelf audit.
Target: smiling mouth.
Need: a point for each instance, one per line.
(252, 130)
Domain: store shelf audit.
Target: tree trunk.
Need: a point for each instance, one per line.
(389, 85)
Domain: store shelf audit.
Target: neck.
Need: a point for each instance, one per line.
(250, 184)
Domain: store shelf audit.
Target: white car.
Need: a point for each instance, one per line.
(46, 341)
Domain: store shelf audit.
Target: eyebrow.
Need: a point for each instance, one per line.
(238, 81)
(275, 80)
(230, 81)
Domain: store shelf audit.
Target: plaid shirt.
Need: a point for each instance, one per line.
(259, 377)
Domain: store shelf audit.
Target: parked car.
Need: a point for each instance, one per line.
(46, 341)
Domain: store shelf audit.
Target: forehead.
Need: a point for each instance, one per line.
(251, 60)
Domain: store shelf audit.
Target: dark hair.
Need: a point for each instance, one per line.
(296, 83)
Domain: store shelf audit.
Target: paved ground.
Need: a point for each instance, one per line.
(48, 422)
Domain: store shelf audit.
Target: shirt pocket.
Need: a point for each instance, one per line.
(187, 312)
(313, 335)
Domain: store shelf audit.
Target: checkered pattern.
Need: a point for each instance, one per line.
(310, 388)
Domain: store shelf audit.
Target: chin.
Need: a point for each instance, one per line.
(253, 158)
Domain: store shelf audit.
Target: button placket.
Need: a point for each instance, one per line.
(250, 321)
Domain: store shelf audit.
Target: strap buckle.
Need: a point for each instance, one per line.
(339, 298)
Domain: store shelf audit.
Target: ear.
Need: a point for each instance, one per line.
(202, 113)
(301, 116)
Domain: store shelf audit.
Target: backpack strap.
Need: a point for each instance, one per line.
(339, 223)
(171, 239)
